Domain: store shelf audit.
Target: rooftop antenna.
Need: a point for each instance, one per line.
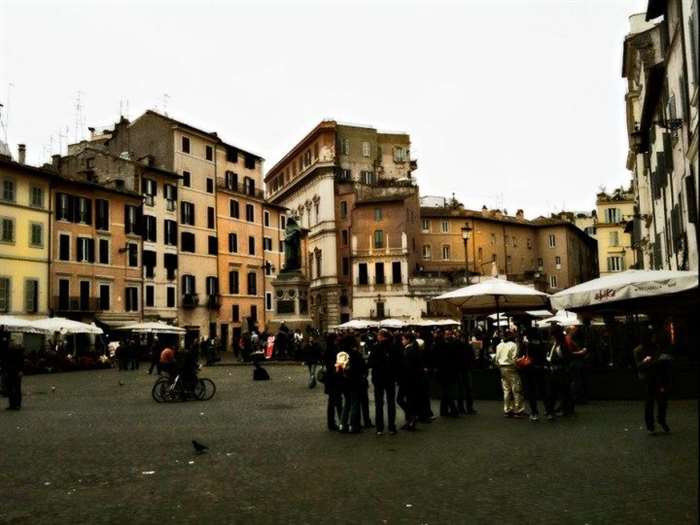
(166, 97)
(78, 115)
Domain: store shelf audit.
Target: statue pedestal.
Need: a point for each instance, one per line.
(291, 301)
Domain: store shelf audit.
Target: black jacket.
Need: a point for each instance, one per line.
(385, 363)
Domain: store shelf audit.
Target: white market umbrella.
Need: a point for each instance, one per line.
(495, 294)
(17, 324)
(447, 322)
(391, 323)
(562, 318)
(154, 327)
(632, 285)
(66, 326)
(357, 324)
(539, 313)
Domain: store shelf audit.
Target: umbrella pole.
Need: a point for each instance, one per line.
(498, 317)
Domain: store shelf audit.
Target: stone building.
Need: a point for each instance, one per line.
(615, 211)
(24, 237)
(317, 181)
(660, 63)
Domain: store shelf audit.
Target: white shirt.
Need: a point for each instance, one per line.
(506, 352)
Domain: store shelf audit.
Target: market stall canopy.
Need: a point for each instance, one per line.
(628, 290)
(17, 324)
(391, 323)
(154, 327)
(357, 324)
(562, 318)
(495, 294)
(433, 322)
(66, 326)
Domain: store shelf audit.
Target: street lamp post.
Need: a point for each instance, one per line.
(466, 235)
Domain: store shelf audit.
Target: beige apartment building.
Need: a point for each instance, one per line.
(615, 211)
(316, 182)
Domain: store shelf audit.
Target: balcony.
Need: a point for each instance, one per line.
(379, 314)
(71, 304)
(214, 301)
(190, 300)
(238, 187)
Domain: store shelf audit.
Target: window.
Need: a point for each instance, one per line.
(104, 299)
(613, 215)
(131, 217)
(233, 286)
(445, 252)
(396, 272)
(209, 152)
(210, 185)
(251, 245)
(366, 149)
(540, 263)
(149, 228)
(344, 237)
(445, 226)
(616, 264)
(529, 244)
(379, 273)
(36, 235)
(149, 190)
(399, 154)
(187, 243)
(281, 247)
(36, 198)
(318, 264)
(170, 193)
(86, 250)
(133, 254)
(249, 213)
(252, 283)
(283, 222)
(362, 276)
(186, 179)
(148, 261)
(187, 213)
(267, 244)
(266, 218)
(212, 245)
(132, 298)
(212, 285)
(170, 297)
(346, 266)
(613, 239)
(249, 161)
(63, 207)
(233, 209)
(515, 242)
(552, 281)
(231, 154)
(379, 239)
(102, 214)
(170, 228)
(254, 312)
(343, 209)
(31, 296)
(368, 177)
(345, 174)
(210, 218)
(427, 251)
(377, 214)
(63, 247)
(185, 144)
(552, 241)
(235, 313)
(268, 268)
(83, 210)
(170, 265)
(345, 147)
(249, 186)
(150, 299)
(103, 251)
(189, 285)
(4, 294)
(268, 301)
(8, 190)
(557, 262)
(493, 239)
(232, 243)
(425, 225)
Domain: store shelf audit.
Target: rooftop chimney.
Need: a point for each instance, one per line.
(21, 153)
(520, 214)
(56, 161)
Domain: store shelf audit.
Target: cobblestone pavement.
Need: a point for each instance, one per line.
(94, 451)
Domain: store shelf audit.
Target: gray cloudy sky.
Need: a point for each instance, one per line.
(515, 104)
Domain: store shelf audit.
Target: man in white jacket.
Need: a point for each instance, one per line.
(506, 354)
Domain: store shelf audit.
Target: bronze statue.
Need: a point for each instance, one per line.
(292, 246)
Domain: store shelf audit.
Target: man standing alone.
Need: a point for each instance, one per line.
(506, 353)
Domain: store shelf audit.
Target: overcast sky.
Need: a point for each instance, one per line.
(515, 104)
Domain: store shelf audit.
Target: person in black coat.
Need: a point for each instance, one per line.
(385, 363)
(353, 376)
(12, 356)
(411, 381)
(447, 365)
(332, 386)
(465, 361)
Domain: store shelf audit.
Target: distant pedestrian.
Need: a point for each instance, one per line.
(332, 384)
(12, 356)
(653, 369)
(385, 362)
(154, 354)
(506, 353)
(466, 359)
(410, 383)
(558, 382)
(312, 357)
(351, 366)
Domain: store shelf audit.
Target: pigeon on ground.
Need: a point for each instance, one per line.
(198, 447)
